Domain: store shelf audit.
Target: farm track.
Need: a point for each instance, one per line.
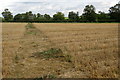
(31, 43)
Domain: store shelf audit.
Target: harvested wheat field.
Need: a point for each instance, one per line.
(60, 50)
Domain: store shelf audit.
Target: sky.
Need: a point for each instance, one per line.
(52, 6)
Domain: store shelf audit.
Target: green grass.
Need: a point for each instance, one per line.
(51, 53)
(50, 76)
(54, 53)
(29, 25)
(30, 29)
(32, 32)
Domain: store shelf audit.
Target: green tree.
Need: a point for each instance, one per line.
(115, 12)
(47, 17)
(40, 17)
(102, 16)
(89, 13)
(31, 16)
(58, 16)
(28, 16)
(18, 17)
(73, 16)
(35, 16)
(7, 15)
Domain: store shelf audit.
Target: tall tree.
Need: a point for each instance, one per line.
(115, 12)
(18, 17)
(73, 16)
(31, 16)
(35, 16)
(47, 17)
(28, 16)
(89, 13)
(58, 16)
(7, 15)
(40, 17)
(102, 16)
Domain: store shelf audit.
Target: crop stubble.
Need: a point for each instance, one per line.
(93, 49)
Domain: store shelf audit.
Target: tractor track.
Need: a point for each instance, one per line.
(26, 65)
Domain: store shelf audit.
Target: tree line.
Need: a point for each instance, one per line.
(89, 15)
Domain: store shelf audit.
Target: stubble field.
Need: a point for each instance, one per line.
(60, 50)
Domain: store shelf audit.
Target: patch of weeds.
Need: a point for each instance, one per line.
(30, 29)
(50, 76)
(54, 53)
(31, 32)
(51, 53)
(29, 25)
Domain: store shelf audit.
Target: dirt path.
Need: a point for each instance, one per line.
(27, 65)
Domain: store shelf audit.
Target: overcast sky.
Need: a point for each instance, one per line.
(53, 6)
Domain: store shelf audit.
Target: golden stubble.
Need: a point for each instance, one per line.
(93, 47)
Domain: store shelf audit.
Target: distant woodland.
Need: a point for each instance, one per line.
(89, 15)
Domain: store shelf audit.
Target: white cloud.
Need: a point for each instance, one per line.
(53, 6)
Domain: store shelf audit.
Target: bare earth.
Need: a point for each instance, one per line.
(92, 47)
